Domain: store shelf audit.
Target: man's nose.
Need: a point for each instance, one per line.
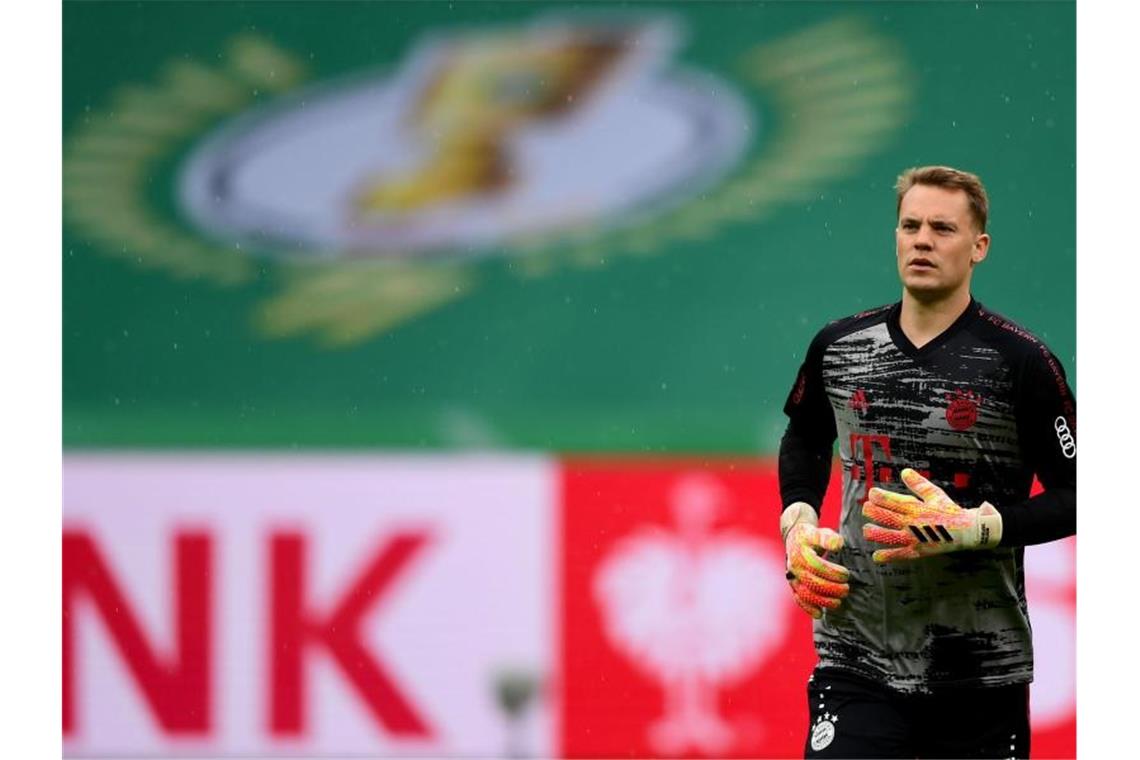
(922, 239)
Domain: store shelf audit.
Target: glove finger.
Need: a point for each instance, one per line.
(823, 586)
(926, 490)
(896, 555)
(810, 609)
(885, 517)
(888, 537)
(807, 560)
(826, 539)
(904, 504)
(818, 600)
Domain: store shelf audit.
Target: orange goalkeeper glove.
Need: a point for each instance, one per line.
(929, 524)
(816, 583)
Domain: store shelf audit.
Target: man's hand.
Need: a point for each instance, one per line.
(816, 583)
(930, 524)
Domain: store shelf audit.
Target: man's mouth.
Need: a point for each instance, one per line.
(921, 263)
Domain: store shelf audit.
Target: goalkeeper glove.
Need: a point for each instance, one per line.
(816, 583)
(930, 524)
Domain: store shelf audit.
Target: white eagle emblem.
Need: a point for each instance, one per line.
(695, 609)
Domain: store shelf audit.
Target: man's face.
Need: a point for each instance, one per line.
(937, 242)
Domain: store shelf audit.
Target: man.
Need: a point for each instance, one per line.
(922, 629)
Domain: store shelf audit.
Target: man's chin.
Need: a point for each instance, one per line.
(926, 291)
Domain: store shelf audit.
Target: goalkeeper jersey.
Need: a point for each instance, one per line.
(979, 410)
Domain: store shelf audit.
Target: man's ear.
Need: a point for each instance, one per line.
(981, 249)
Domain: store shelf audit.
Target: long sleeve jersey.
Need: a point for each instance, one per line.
(980, 410)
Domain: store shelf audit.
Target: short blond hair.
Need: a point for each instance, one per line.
(951, 179)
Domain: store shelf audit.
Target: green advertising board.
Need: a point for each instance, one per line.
(555, 227)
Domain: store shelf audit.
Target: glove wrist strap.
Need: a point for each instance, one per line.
(989, 526)
(795, 513)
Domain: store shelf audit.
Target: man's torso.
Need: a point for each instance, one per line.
(949, 411)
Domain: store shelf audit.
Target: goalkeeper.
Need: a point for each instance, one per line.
(944, 412)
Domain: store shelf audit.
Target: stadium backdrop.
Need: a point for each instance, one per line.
(424, 362)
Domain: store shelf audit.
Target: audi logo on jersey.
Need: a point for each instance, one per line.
(1065, 437)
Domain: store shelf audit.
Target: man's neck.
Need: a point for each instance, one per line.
(924, 320)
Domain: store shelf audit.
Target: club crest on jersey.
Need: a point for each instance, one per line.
(859, 401)
(962, 411)
(823, 733)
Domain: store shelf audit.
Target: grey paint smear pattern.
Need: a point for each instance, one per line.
(958, 618)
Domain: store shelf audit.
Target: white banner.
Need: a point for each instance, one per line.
(228, 605)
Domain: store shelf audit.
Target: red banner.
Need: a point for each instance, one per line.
(679, 636)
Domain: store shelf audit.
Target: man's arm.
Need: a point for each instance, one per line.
(804, 467)
(805, 450)
(1042, 518)
(1047, 429)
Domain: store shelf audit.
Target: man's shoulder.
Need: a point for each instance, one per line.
(1009, 337)
(840, 328)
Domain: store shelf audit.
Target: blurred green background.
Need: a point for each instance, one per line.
(680, 336)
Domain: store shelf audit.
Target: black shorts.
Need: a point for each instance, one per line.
(853, 717)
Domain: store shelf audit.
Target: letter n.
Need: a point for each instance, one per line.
(176, 687)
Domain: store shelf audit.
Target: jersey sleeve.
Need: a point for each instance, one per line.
(805, 450)
(1047, 431)
(808, 410)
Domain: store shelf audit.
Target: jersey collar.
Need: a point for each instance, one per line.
(902, 343)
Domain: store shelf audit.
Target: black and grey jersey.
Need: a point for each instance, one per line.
(980, 410)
